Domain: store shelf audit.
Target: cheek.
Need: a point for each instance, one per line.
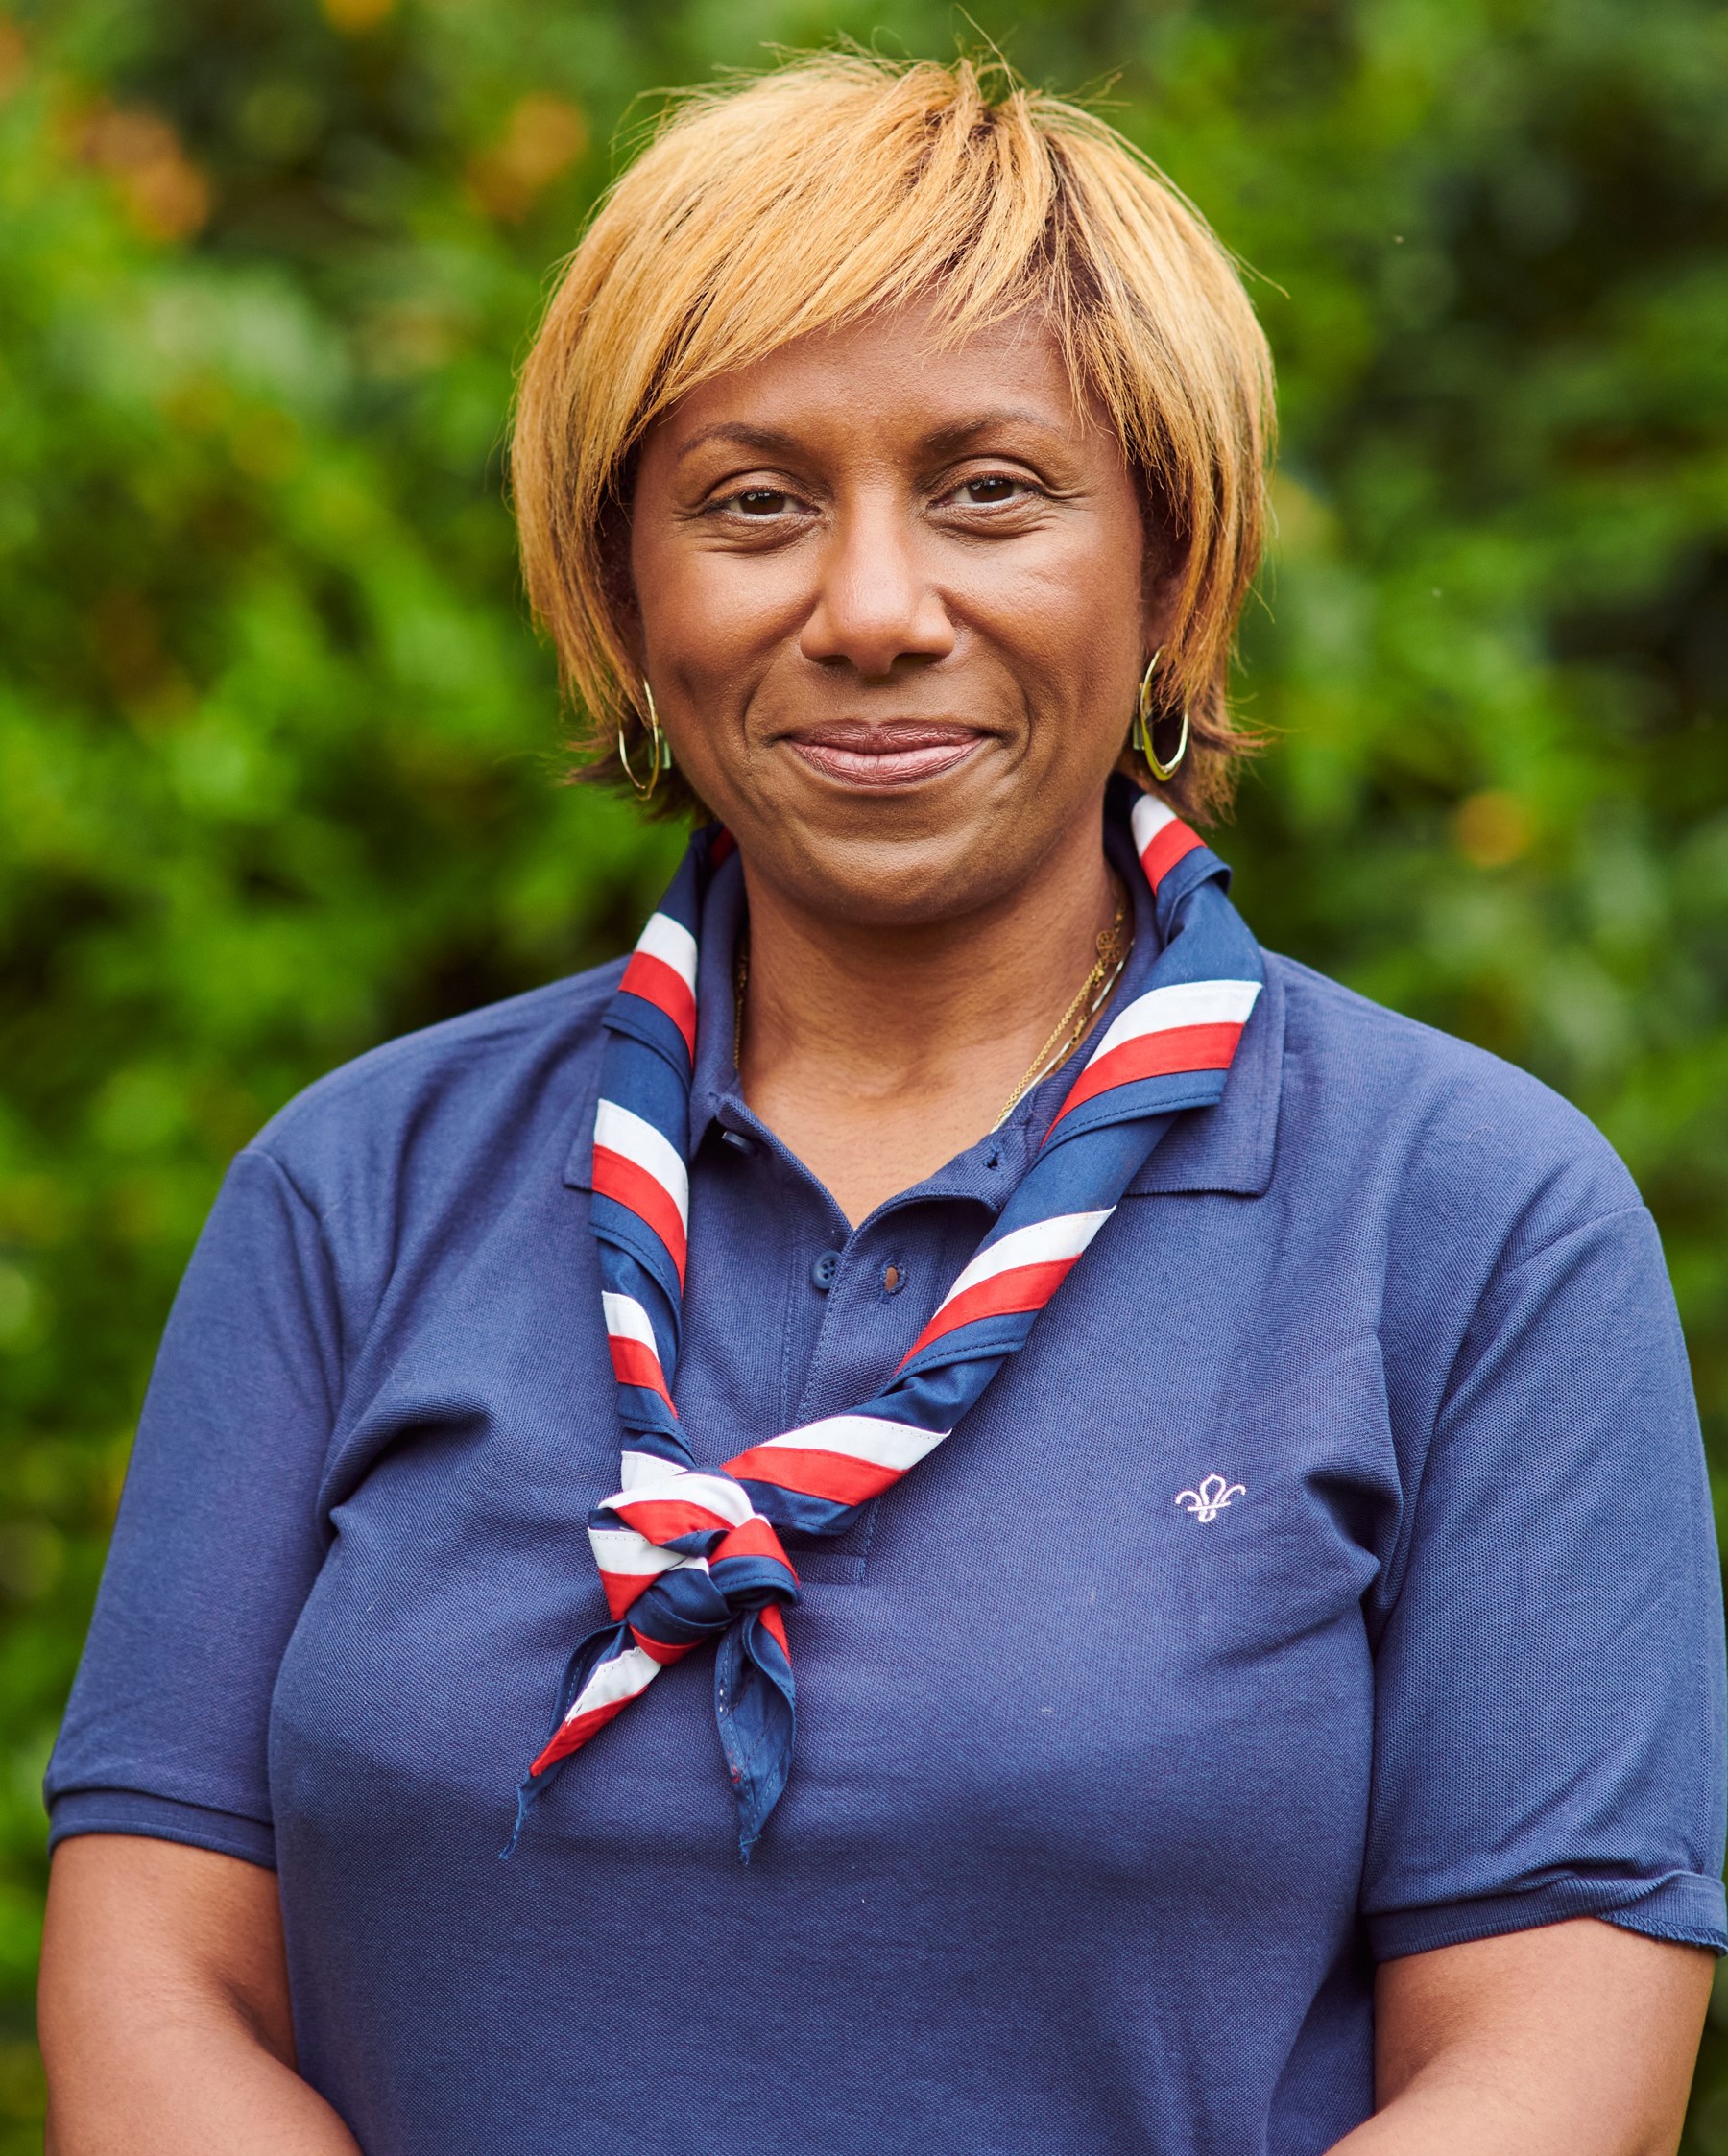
(1071, 629)
(710, 618)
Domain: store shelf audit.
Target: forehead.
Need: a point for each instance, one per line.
(894, 377)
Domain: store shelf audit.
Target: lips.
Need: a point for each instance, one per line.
(894, 753)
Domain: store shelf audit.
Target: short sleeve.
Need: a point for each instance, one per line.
(1549, 1734)
(216, 1545)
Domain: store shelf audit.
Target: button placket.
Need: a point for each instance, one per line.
(867, 1325)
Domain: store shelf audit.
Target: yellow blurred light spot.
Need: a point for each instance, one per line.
(166, 195)
(542, 138)
(1492, 830)
(355, 18)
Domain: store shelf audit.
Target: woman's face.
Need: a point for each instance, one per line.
(894, 604)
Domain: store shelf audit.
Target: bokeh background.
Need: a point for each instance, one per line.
(279, 750)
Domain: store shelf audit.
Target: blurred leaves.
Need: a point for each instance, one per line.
(277, 748)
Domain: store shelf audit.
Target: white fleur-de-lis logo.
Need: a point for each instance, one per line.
(1210, 1500)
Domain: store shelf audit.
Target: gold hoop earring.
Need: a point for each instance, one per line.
(659, 751)
(1144, 719)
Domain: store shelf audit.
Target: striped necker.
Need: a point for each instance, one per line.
(686, 1556)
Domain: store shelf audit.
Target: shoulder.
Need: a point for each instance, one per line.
(1443, 1132)
(491, 1084)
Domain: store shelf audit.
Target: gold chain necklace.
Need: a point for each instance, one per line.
(1093, 993)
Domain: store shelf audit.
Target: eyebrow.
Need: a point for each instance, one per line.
(946, 439)
(769, 440)
(957, 435)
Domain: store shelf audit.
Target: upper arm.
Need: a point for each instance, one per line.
(141, 1928)
(217, 1542)
(1576, 2038)
(164, 2008)
(1549, 1681)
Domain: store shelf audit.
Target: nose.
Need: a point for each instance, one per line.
(876, 606)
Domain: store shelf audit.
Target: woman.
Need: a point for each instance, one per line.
(1183, 1502)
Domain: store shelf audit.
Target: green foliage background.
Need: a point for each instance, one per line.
(277, 748)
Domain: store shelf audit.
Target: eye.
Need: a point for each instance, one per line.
(758, 502)
(991, 488)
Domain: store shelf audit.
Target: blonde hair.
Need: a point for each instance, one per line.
(842, 183)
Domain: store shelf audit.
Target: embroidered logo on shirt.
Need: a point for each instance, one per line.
(1211, 1498)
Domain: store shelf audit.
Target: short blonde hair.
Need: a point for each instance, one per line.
(839, 185)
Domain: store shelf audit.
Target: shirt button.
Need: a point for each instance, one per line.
(822, 1273)
(739, 1142)
(893, 1281)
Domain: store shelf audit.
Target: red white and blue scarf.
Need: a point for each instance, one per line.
(687, 1555)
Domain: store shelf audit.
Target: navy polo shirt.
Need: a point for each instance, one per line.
(1330, 1579)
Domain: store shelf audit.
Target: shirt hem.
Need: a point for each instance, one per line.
(1684, 1908)
(129, 1811)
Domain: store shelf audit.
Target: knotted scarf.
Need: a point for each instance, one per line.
(687, 1554)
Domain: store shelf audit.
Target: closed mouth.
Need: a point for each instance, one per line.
(892, 753)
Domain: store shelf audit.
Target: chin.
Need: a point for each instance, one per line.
(906, 878)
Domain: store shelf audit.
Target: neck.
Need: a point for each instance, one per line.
(877, 1053)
